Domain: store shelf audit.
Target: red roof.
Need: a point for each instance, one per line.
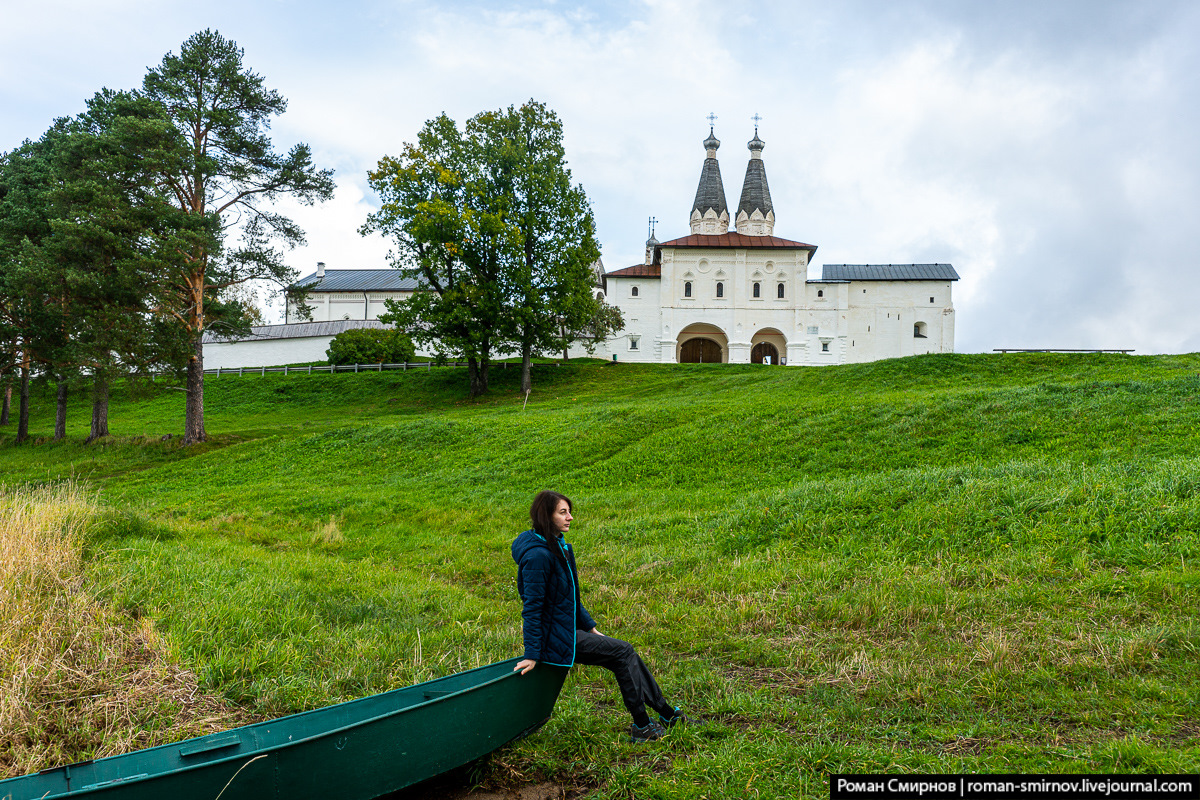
(637, 271)
(736, 240)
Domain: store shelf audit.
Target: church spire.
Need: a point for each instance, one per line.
(755, 215)
(710, 213)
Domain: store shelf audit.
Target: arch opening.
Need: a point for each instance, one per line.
(702, 343)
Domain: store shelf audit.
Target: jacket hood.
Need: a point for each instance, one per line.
(526, 542)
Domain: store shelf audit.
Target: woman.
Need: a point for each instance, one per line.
(557, 628)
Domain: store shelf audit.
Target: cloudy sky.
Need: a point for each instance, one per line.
(1048, 149)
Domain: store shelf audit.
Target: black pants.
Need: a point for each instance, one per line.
(638, 688)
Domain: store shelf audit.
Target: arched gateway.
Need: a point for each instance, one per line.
(764, 353)
(702, 344)
(767, 345)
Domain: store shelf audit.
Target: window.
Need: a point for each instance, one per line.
(919, 331)
(757, 290)
(931, 299)
(820, 292)
(813, 330)
(687, 289)
(633, 292)
(824, 347)
(864, 291)
(779, 291)
(720, 289)
(633, 342)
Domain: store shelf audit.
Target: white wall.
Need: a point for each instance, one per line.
(327, 306)
(265, 352)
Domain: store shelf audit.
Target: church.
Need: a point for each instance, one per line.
(743, 296)
(717, 295)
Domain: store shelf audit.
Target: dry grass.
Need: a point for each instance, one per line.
(77, 680)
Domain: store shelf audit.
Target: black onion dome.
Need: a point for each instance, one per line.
(756, 194)
(711, 191)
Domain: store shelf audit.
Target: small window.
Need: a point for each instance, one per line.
(820, 292)
(720, 289)
(779, 291)
(687, 289)
(757, 290)
(824, 347)
(864, 291)
(931, 299)
(633, 292)
(919, 331)
(633, 342)
(813, 330)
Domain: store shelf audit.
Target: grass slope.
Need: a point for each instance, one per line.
(942, 563)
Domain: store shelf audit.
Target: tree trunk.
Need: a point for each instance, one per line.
(566, 346)
(526, 360)
(5, 405)
(99, 408)
(60, 416)
(23, 414)
(193, 422)
(473, 376)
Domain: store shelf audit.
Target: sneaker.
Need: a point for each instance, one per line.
(651, 732)
(677, 718)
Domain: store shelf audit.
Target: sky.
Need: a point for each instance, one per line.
(1048, 149)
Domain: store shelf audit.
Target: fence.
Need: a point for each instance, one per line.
(332, 368)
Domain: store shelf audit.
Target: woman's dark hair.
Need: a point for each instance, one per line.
(541, 513)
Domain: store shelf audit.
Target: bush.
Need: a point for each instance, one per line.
(370, 346)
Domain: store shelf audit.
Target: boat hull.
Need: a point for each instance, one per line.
(364, 749)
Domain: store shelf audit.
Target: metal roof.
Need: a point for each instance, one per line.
(888, 272)
(296, 330)
(737, 240)
(638, 271)
(358, 280)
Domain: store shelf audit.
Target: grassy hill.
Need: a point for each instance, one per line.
(943, 563)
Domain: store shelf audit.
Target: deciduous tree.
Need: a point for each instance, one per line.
(489, 221)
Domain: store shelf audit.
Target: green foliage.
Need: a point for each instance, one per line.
(370, 346)
(225, 174)
(940, 564)
(488, 221)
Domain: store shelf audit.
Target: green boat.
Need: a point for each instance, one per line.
(364, 748)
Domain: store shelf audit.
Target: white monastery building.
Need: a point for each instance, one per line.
(716, 295)
(743, 296)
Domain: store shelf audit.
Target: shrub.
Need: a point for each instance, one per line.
(370, 346)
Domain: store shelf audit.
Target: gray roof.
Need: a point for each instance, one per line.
(296, 330)
(888, 272)
(358, 280)
(755, 192)
(711, 191)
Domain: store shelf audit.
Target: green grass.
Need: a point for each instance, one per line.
(942, 563)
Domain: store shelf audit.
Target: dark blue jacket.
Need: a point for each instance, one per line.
(551, 611)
